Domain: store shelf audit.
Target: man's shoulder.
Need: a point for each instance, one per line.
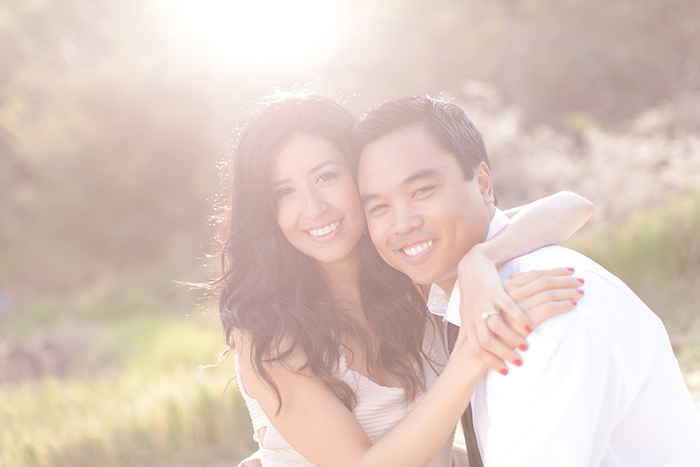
(549, 257)
(610, 314)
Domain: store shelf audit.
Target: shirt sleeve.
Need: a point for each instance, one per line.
(560, 407)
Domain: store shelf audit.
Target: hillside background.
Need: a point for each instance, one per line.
(114, 119)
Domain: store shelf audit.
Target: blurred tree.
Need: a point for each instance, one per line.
(101, 145)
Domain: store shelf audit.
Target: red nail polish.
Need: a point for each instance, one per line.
(523, 347)
(518, 362)
(528, 329)
(580, 291)
(503, 372)
(580, 280)
(574, 302)
(570, 269)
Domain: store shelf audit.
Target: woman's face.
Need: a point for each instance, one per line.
(318, 206)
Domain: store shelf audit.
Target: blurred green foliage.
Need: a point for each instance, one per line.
(660, 243)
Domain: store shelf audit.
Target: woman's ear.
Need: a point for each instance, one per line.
(483, 179)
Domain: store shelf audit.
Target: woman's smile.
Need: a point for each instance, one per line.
(324, 231)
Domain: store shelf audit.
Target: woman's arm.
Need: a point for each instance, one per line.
(316, 423)
(547, 221)
(544, 222)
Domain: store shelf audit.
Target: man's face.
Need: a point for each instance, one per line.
(422, 214)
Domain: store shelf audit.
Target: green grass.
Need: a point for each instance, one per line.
(154, 406)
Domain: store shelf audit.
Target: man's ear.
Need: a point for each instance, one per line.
(483, 179)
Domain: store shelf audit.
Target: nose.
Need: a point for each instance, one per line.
(314, 204)
(406, 219)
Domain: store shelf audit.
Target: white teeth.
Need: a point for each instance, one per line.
(325, 230)
(415, 249)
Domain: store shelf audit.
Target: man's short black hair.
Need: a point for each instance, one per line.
(446, 123)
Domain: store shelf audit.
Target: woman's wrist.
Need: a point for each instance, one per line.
(483, 253)
(470, 366)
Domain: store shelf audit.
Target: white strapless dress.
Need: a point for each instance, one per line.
(378, 410)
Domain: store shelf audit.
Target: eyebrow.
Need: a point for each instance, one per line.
(310, 171)
(422, 173)
(418, 175)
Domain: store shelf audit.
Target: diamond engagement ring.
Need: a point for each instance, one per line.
(486, 314)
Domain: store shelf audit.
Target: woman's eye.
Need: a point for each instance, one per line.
(377, 208)
(282, 192)
(324, 177)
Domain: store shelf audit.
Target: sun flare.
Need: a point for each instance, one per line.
(260, 32)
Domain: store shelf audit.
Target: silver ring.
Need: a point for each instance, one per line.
(486, 314)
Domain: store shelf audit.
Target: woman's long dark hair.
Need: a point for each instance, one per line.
(276, 294)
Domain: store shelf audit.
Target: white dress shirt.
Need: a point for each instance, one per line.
(599, 386)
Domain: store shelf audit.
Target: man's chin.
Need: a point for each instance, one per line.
(420, 274)
(420, 277)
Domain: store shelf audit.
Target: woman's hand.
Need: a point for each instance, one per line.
(521, 302)
(544, 294)
(481, 291)
(251, 461)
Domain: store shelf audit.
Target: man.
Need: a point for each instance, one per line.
(600, 385)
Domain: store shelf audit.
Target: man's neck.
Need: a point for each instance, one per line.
(447, 285)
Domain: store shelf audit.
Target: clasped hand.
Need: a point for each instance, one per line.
(522, 302)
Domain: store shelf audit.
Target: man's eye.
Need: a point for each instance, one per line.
(324, 177)
(423, 190)
(282, 192)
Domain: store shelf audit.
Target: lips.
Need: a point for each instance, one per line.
(323, 231)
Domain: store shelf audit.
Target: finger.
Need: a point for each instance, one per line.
(522, 278)
(505, 333)
(550, 295)
(545, 282)
(535, 276)
(550, 309)
(520, 321)
(484, 355)
(494, 345)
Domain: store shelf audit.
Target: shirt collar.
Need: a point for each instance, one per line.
(439, 303)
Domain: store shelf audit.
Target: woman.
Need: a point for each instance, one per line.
(337, 356)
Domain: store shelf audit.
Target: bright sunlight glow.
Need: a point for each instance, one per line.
(260, 32)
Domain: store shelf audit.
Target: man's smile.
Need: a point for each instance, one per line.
(417, 248)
